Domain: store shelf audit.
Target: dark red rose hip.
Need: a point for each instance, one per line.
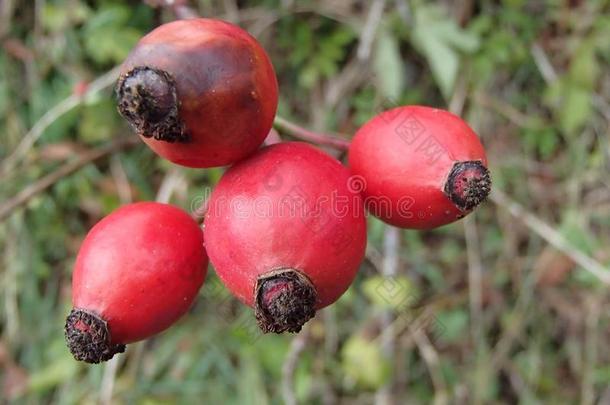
(137, 271)
(285, 233)
(199, 92)
(421, 167)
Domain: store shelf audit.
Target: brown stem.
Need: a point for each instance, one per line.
(304, 134)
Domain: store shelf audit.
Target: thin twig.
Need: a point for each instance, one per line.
(421, 317)
(404, 11)
(7, 8)
(296, 131)
(10, 284)
(231, 10)
(431, 358)
(517, 321)
(108, 379)
(25, 195)
(169, 185)
(508, 111)
(272, 138)
(391, 245)
(475, 275)
(370, 28)
(475, 295)
(53, 115)
(297, 346)
(544, 64)
(120, 179)
(552, 236)
(351, 76)
(590, 344)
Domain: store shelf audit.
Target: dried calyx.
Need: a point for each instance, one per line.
(148, 100)
(468, 184)
(88, 337)
(285, 301)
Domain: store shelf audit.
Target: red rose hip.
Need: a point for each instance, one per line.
(285, 233)
(421, 167)
(199, 92)
(137, 271)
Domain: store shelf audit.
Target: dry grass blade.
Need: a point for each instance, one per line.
(551, 235)
(63, 107)
(66, 169)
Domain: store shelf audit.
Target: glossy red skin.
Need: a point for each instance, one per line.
(406, 154)
(140, 269)
(244, 242)
(226, 85)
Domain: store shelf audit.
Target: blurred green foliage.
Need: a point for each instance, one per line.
(533, 79)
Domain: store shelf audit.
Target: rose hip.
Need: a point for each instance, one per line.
(137, 271)
(422, 167)
(285, 233)
(199, 92)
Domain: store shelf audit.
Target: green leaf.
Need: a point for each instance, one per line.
(584, 69)
(577, 233)
(108, 38)
(111, 45)
(439, 39)
(450, 326)
(443, 61)
(57, 372)
(570, 96)
(363, 362)
(576, 109)
(388, 66)
(56, 17)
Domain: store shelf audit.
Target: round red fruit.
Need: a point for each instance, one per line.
(286, 233)
(421, 167)
(137, 271)
(199, 92)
